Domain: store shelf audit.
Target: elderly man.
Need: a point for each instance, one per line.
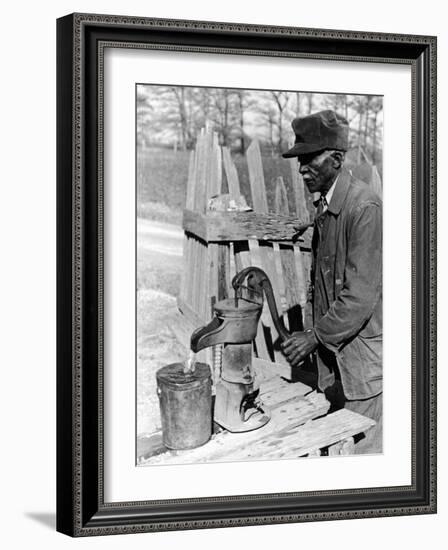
(346, 275)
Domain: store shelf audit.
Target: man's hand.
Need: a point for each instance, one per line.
(298, 346)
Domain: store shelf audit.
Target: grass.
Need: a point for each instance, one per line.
(159, 212)
(162, 177)
(154, 272)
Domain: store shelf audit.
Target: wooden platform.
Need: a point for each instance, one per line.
(299, 426)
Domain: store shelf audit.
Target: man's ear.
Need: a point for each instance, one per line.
(338, 159)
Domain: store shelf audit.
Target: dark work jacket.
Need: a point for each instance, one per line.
(347, 277)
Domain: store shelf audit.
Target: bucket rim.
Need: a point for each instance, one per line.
(173, 376)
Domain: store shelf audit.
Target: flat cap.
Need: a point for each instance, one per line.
(319, 131)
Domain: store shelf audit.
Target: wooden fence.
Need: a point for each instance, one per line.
(221, 238)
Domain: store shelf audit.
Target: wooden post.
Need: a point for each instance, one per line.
(281, 197)
(231, 173)
(223, 270)
(216, 171)
(256, 178)
(375, 181)
(299, 192)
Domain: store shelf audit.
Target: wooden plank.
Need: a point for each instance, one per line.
(260, 342)
(283, 264)
(243, 259)
(218, 226)
(200, 279)
(242, 255)
(191, 271)
(188, 259)
(290, 275)
(183, 323)
(302, 277)
(213, 266)
(265, 320)
(266, 369)
(263, 346)
(191, 181)
(279, 271)
(335, 450)
(302, 212)
(184, 274)
(277, 384)
(184, 295)
(196, 224)
(281, 394)
(375, 182)
(231, 174)
(305, 439)
(268, 263)
(204, 282)
(223, 270)
(209, 161)
(232, 269)
(190, 314)
(201, 195)
(194, 276)
(256, 178)
(205, 171)
(216, 170)
(199, 169)
(348, 447)
(148, 446)
(307, 261)
(281, 197)
(227, 445)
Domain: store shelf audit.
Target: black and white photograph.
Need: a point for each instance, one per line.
(247, 265)
(224, 255)
(259, 332)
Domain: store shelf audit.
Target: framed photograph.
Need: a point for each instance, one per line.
(246, 274)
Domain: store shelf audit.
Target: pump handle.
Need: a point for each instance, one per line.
(258, 281)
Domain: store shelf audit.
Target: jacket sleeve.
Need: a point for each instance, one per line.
(362, 282)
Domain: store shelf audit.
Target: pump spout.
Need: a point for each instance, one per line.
(232, 324)
(206, 336)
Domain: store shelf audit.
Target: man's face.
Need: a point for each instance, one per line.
(319, 170)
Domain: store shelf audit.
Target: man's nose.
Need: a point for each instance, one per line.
(303, 168)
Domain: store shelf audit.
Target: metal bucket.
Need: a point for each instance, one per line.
(185, 405)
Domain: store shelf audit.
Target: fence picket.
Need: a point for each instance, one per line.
(299, 192)
(231, 174)
(256, 178)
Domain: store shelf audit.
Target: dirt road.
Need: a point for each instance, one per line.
(159, 256)
(159, 237)
(159, 265)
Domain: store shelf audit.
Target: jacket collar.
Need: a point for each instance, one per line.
(340, 192)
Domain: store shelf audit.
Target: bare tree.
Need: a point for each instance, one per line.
(144, 112)
(376, 106)
(281, 100)
(366, 120)
(181, 94)
(241, 104)
(309, 99)
(297, 104)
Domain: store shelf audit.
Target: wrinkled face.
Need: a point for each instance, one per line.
(319, 170)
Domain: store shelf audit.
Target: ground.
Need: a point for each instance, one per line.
(159, 266)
